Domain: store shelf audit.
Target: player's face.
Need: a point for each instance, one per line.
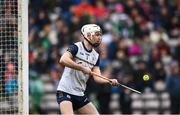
(97, 38)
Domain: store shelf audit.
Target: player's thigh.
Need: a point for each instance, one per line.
(88, 109)
(66, 107)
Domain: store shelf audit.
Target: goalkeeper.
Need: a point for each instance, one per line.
(79, 60)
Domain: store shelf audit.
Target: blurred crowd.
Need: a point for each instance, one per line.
(8, 50)
(139, 37)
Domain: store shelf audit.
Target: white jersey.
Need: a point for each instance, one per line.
(74, 81)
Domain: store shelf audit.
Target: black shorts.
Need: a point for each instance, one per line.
(77, 101)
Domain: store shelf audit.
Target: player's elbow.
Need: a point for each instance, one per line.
(64, 60)
(61, 61)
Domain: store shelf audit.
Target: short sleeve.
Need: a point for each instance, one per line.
(97, 63)
(73, 49)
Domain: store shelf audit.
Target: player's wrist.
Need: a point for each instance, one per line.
(79, 67)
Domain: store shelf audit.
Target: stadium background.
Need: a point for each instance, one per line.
(139, 37)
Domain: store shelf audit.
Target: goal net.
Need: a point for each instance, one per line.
(13, 54)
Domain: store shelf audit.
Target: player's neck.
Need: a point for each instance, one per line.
(87, 45)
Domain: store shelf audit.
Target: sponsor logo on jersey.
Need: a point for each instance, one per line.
(81, 53)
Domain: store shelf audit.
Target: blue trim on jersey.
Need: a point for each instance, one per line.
(98, 62)
(73, 49)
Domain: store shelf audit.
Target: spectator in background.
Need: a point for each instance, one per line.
(122, 64)
(158, 72)
(100, 10)
(140, 70)
(135, 49)
(125, 99)
(11, 84)
(157, 34)
(154, 57)
(173, 87)
(84, 8)
(64, 36)
(36, 92)
(75, 24)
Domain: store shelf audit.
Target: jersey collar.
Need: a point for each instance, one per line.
(86, 48)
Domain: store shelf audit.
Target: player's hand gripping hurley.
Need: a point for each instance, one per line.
(119, 84)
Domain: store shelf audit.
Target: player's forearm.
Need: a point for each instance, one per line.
(68, 62)
(100, 80)
(97, 79)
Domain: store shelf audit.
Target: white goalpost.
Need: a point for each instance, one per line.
(23, 97)
(14, 57)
